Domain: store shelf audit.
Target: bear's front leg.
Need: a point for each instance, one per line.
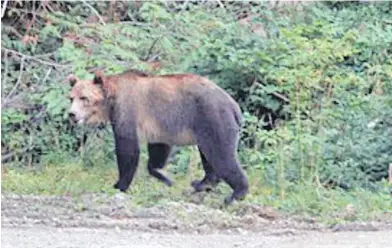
(127, 153)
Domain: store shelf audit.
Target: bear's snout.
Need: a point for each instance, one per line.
(72, 117)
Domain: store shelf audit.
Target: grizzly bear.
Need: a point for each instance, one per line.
(164, 111)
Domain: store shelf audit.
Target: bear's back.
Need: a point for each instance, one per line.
(167, 108)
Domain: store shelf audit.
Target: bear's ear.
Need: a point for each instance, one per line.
(98, 78)
(72, 79)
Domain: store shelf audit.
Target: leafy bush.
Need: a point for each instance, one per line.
(314, 84)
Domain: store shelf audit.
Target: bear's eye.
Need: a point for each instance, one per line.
(83, 98)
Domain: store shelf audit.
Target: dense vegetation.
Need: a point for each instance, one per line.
(314, 81)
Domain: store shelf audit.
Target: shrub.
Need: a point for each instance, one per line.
(313, 82)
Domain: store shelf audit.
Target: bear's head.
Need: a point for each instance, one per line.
(87, 97)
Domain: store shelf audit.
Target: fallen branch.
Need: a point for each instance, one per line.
(135, 23)
(220, 4)
(17, 82)
(5, 75)
(280, 96)
(34, 58)
(9, 155)
(152, 47)
(15, 102)
(95, 12)
(47, 75)
(9, 29)
(3, 8)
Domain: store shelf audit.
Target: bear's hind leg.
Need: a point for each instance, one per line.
(221, 153)
(211, 178)
(229, 170)
(237, 181)
(158, 154)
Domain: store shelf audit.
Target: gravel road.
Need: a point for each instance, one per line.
(43, 237)
(112, 221)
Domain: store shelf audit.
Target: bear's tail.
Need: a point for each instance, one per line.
(236, 111)
(238, 115)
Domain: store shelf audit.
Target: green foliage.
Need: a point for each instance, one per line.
(314, 84)
(358, 148)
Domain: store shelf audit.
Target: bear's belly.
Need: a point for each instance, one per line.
(183, 138)
(153, 133)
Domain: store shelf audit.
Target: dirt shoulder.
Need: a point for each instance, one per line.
(106, 221)
(117, 211)
(112, 221)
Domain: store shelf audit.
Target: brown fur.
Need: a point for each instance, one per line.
(168, 88)
(94, 107)
(167, 110)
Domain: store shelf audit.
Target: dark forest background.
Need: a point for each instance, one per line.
(313, 79)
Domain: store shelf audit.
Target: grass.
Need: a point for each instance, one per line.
(74, 179)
